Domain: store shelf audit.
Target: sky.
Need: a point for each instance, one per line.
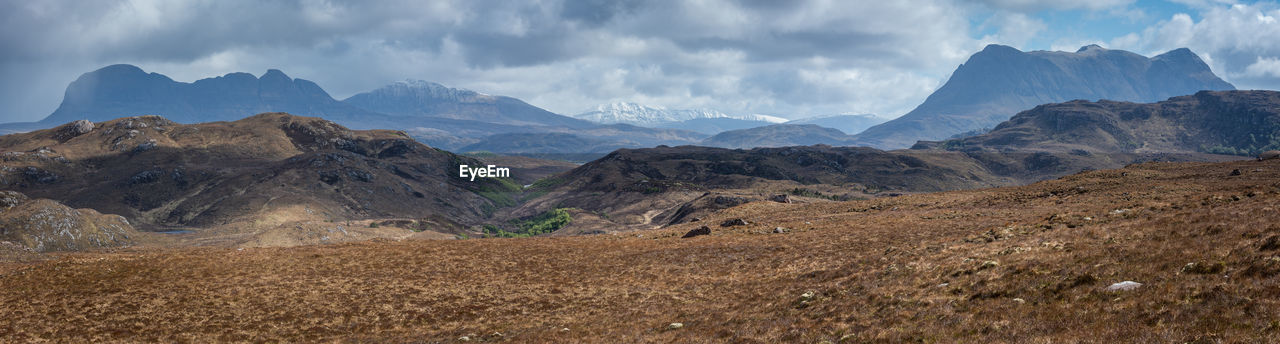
(793, 59)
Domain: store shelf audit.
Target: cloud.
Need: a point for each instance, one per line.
(1237, 40)
(736, 56)
(1041, 5)
(1265, 68)
(794, 58)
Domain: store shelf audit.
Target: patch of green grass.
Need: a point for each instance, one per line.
(500, 191)
(547, 222)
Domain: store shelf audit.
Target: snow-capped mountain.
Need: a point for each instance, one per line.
(764, 118)
(651, 116)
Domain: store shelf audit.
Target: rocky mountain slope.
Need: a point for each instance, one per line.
(43, 225)
(1225, 122)
(1000, 81)
(264, 172)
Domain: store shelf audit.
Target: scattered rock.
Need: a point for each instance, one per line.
(1123, 286)
(1199, 268)
(40, 175)
(1235, 172)
(145, 177)
(145, 146)
(74, 129)
(10, 199)
(1268, 155)
(704, 230)
(730, 201)
(1268, 244)
(780, 230)
(675, 326)
(734, 222)
(783, 198)
(1019, 300)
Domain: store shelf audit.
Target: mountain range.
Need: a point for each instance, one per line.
(440, 116)
(1000, 81)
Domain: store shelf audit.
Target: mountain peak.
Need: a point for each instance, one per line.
(997, 48)
(1091, 48)
(1180, 53)
(120, 68)
(274, 74)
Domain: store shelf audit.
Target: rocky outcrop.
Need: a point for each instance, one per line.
(43, 225)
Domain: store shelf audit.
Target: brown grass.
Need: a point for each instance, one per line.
(1024, 264)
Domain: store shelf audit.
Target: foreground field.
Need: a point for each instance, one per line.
(1023, 264)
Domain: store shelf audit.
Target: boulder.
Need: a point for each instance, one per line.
(734, 222)
(1268, 155)
(704, 230)
(73, 129)
(1123, 286)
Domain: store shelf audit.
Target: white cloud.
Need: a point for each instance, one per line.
(1040, 5)
(1237, 40)
(1013, 29)
(1264, 68)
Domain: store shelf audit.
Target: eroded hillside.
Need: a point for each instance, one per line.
(267, 172)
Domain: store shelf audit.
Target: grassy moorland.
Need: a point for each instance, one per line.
(1020, 264)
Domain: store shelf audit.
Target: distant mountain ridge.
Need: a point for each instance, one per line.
(653, 116)
(849, 124)
(1221, 122)
(417, 98)
(1000, 81)
(125, 90)
(778, 135)
(440, 116)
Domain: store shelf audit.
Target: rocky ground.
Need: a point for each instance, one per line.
(1028, 264)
